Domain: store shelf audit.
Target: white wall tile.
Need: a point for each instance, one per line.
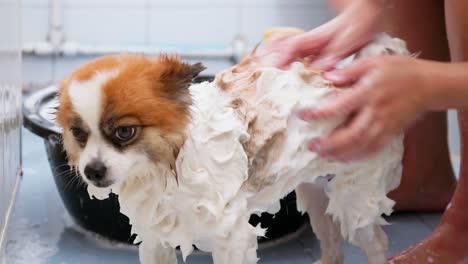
(193, 26)
(35, 24)
(11, 3)
(283, 3)
(10, 107)
(8, 27)
(35, 3)
(37, 70)
(101, 26)
(192, 3)
(104, 3)
(63, 66)
(255, 20)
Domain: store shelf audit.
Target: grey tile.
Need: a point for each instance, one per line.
(287, 252)
(431, 220)
(403, 231)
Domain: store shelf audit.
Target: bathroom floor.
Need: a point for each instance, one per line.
(41, 232)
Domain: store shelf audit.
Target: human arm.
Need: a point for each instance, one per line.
(385, 95)
(354, 27)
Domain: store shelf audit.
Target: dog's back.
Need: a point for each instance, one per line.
(277, 148)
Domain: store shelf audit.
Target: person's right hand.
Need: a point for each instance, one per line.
(331, 42)
(383, 96)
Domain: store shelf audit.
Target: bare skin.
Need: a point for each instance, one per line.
(449, 242)
(428, 180)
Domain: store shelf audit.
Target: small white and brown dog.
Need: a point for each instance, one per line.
(191, 162)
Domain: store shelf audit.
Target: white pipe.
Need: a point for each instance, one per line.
(77, 49)
(56, 44)
(56, 36)
(234, 52)
(56, 19)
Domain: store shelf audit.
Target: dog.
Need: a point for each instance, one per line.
(191, 162)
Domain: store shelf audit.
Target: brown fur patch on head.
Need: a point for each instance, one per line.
(153, 91)
(65, 113)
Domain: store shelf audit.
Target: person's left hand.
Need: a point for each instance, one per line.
(386, 95)
(280, 49)
(329, 43)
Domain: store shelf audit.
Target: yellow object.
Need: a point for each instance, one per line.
(272, 31)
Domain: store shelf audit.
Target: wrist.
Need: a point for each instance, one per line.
(425, 77)
(448, 84)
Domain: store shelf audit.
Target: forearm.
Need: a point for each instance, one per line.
(446, 85)
(339, 5)
(369, 12)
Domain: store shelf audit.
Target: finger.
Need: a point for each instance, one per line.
(347, 42)
(349, 74)
(325, 63)
(372, 140)
(276, 60)
(343, 105)
(312, 43)
(343, 141)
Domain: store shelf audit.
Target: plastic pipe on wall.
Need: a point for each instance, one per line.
(57, 45)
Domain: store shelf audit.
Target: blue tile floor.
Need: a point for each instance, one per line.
(41, 233)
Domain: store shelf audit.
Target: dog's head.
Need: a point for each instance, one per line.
(122, 114)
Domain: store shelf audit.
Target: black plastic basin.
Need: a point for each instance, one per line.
(103, 217)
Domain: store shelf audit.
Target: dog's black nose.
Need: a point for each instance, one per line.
(95, 171)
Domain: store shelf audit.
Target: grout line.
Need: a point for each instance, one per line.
(9, 212)
(423, 221)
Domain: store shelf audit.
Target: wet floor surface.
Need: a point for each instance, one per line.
(41, 232)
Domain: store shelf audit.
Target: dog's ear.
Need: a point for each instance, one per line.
(176, 77)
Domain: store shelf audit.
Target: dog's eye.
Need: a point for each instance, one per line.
(124, 134)
(79, 134)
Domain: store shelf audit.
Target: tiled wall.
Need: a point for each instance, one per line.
(10, 109)
(202, 23)
(205, 23)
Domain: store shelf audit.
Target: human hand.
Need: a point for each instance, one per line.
(331, 42)
(386, 95)
(279, 48)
